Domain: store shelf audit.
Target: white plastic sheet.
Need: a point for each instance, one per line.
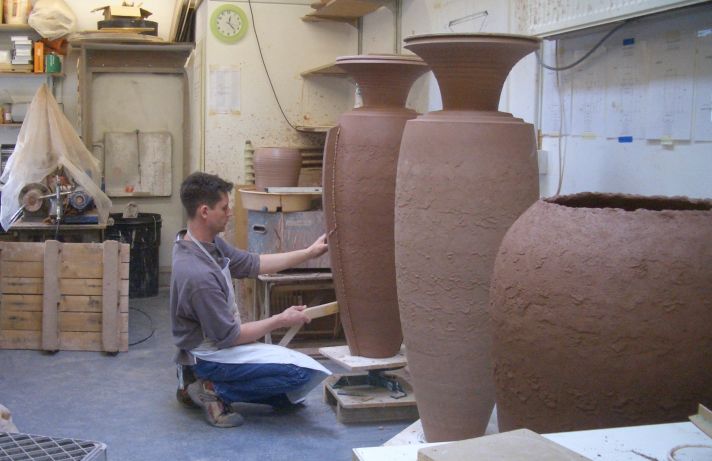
(47, 141)
(52, 19)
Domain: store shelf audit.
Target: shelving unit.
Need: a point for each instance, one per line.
(24, 78)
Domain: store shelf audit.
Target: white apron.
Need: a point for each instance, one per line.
(256, 352)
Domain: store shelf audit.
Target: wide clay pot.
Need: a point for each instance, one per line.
(277, 167)
(464, 175)
(360, 160)
(602, 313)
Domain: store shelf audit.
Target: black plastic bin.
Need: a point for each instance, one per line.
(143, 233)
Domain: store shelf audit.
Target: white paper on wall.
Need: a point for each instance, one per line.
(702, 105)
(588, 101)
(669, 108)
(554, 92)
(626, 92)
(224, 92)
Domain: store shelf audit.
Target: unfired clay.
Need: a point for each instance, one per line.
(464, 175)
(277, 167)
(602, 313)
(359, 188)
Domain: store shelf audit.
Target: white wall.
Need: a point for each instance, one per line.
(596, 160)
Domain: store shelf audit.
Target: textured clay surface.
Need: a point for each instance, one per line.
(602, 313)
(360, 162)
(464, 176)
(277, 167)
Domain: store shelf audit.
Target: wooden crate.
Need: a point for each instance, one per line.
(64, 296)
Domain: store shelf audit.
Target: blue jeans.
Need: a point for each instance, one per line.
(253, 382)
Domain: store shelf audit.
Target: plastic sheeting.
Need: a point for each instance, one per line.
(52, 19)
(47, 141)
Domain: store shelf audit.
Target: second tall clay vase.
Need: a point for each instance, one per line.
(464, 176)
(360, 161)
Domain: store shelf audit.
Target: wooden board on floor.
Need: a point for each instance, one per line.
(359, 404)
(342, 356)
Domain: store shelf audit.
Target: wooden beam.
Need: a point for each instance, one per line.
(110, 333)
(50, 300)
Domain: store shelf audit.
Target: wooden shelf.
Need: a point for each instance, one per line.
(7, 73)
(10, 125)
(314, 129)
(16, 28)
(344, 10)
(328, 70)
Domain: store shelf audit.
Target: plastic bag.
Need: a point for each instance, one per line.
(47, 141)
(52, 19)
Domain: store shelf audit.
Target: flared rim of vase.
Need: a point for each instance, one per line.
(630, 203)
(469, 38)
(381, 59)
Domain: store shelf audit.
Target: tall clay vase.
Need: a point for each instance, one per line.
(464, 175)
(360, 160)
(277, 167)
(602, 313)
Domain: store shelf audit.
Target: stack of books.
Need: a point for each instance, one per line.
(21, 51)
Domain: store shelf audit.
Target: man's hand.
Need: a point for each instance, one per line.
(318, 248)
(292, 316)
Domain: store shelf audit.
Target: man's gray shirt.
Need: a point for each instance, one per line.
(199, 292)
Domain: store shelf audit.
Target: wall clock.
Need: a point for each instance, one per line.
(228, 23)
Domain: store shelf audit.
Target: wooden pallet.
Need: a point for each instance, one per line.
(64, 296)
(359, 404)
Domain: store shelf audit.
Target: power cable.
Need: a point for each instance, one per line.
(153, 329)
(589, 53)
(264, 64)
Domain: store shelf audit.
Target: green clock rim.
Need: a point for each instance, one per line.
(214, 27)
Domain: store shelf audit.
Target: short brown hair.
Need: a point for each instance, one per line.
(202, 189)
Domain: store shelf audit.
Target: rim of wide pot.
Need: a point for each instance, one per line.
(694, 205)
(381, 59)
(471, 37)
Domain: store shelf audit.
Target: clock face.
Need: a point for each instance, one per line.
(228, 23)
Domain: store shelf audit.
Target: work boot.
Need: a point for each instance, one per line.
(185, 377)
(216, 412)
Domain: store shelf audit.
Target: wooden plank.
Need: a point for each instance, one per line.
(19, 320)
(89, 270)
(327, 70)
(21, 251)
(89, 287)
(314, 312)
(110, 294)
(50, 301)
(20, 339)
(342, 356)
(31, 269)
(88, 321)
(88, 303)
(125, 253)
(22, 285)
(88, 341)
(518, 444)
(367, 403)
(26, 303)
(81, 260)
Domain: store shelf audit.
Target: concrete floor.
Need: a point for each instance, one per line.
(128, 402)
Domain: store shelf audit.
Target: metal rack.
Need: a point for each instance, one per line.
(21, 447)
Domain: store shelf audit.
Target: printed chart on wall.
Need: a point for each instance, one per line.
(224, 90)
(702, 129)
(643, 83)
